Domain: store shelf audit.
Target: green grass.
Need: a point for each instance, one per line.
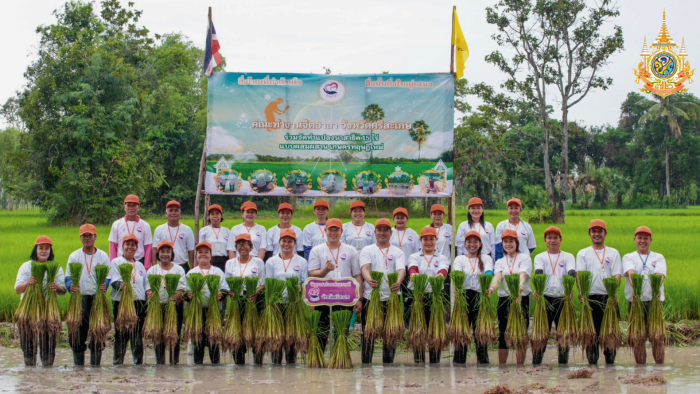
(675, 231)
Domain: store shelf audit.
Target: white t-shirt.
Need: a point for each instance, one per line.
(139, 279)
(347, 265)
(258, 235)
(273, 239)
(140, 228)
(25, 272)
(555, 266)
(223, 286)
(438, 262)
(488, 237)
(281, 269)
(218, 238)
(255, 268)
(358, 236)
(526, 236)
(181, 236)
(444, 240)
(514, 266)
(314, 234)
(471, 269)
(590, 260)
(406, 240)
(87, 284)
(174, 270)
(655, 264)
(385, 260)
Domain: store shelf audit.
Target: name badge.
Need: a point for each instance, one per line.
(217, 247)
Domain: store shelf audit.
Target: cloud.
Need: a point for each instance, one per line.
(245, 156)
(226, 144)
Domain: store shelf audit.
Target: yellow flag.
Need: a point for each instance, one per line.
(460, 44)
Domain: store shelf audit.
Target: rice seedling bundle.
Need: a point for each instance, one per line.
(74, 314)
(100, 316)
(417, 337)
(295, 327)
(485, 331)
(567, 327)
(233, 332)
(610, 334)
(586, 329)
(655, 320)
(29, 316)
(394, 326)
(192, 322)
(271, 336)
(251, 318)
(126, 318)
(459, 331)
(540, 324)
(170, 335)
(637, 330)
(340, 357)
(374, 327)
(516, 332)
(153, 326)
(214, 327)
(437, 329)
(52, 314)
(314, 356)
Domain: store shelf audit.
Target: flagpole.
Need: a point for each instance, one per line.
(452, 41)
(200, 179)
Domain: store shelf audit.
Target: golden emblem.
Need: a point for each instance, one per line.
(662, 69)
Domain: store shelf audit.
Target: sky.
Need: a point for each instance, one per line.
(355, 37)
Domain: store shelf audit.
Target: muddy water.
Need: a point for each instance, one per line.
(681, 371)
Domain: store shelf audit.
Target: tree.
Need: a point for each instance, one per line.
(670, 109)
(372, 114)
(419, 133)
(559, 44)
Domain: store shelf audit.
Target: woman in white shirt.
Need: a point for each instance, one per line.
(473, 263)
(315, 233)
(257, 233)
(247, 266)
(217, 236)
(358, 233)
(526, 237)
(285, 265)
(512, 263)
(475, 222)
(285, 211)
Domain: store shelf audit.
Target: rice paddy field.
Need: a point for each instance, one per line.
(675, 234)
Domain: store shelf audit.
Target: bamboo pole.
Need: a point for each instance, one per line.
(202, 173)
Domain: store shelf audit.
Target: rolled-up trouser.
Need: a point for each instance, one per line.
(554, 308)
(482, 352)
(503, 310)
(597, 303)
(388, 352)
(78, 340)
(174, 352)
(135, 338)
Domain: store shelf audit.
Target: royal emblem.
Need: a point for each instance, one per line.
(662, 69)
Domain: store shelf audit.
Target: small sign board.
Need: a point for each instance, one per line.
(331, 291)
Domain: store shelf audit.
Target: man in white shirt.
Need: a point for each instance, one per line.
(180, 235)
(314, 233)
(131, 223)
(386, 258)
(603, 262)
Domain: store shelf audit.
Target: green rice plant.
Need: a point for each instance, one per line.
(394, 326)
(437, 329)
(610, 333)
(567, 328)
(516, 331)
(194, 314)
(100, 316)
(233, 331)
(540, 323)
(271, 336)
(586, 330)
(485, 331)
(374, 327)
(213, 327)
(74, 315)
(637, 330)
(296, 331)
(655, 321)
(52, 315)
(340, 356)
(170, 328)
(417, 338)
(126, 318)
(251, 318)
(314, 357)
(153, 325)
(459, 331)
(29, 317)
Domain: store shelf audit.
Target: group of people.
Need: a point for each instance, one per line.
(327, 248)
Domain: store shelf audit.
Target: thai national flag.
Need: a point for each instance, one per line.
(211, 52)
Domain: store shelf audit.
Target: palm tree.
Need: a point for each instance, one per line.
(419, 133)
(671, 109)
(373, 113)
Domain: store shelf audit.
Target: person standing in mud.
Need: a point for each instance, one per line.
(90, 257)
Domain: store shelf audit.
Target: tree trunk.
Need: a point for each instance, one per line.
(573, 195)
(668, 173)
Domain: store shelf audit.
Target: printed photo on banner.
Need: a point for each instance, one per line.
(367, 182)
(297, 182)
(262, 181)
(399, 182)
(432, 182)
(332, 182)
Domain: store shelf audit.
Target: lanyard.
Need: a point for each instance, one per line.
(477, 229)
(212, 230)
(246, 265)
(400, 237)
(322, 230)
(359, 233)
(163, 273)
(286, 265)
(601, 261)
(474, 265)
(554, 266)
(126, 221)
(203, 273)
(335, 258)
(516, 227)
(92, 256)
(438, 231)
(386, 260)
(427, 261)
(248, 228)
(644, 261)
(176, 233)
(510, 267)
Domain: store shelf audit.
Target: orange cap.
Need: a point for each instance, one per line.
(132, 198)
(382, 222)
(320, 203)
(403, 211)
(203, 244)
(437, 208)
(163, 244)
(215, 206)
(597, 223)
(334, 223)
(285, 205)
(244, 237)
(552, 230)
(248, 205)
(509, 233)
(472, 234)
(357, 204)
(427, 231)
(130, 237)
(475, 201)
(88, 228)
(288, 232)
(515, 201)
(43, 240)
(643, 230)
(173, 203)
